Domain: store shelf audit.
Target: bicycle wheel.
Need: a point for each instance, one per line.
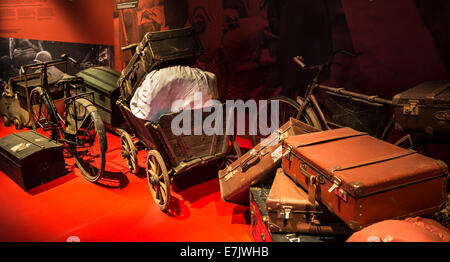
(309, 116)
(44, 117)
(287, 108)
(90, 149)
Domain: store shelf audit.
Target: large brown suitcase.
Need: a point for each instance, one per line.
(424, 108)
(362, 179)
(156, 50)
(31, 159)
(257, 164)
(289, 210)
(260, 226)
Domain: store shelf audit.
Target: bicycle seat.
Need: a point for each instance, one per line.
(70, 79)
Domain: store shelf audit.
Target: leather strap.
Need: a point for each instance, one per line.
(439, 90)
(372, 161)
(328, 139)
(312, 190)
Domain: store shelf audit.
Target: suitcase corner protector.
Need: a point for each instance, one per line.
(443, 166)
(358, 188)
(355, 226)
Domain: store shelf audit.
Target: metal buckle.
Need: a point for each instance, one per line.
(411, 108)
(285, 212)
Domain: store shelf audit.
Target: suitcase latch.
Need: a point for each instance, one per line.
(288, 153)
(411, 108)
(230, 175)
(340, 192)
(285, 212)
(336, 183)
(282, 136)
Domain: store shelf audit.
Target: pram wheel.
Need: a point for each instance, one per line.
(129, 151)
(158, 179)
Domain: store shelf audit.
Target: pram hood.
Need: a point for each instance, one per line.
(172, 89)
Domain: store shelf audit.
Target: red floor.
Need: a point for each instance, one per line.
(121, 209)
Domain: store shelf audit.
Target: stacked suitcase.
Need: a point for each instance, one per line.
(332, 183)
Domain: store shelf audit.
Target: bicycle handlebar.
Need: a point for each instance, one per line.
(65, 58)
(300, 61)
(342, 51)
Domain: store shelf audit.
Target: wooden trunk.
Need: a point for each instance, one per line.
(424, 109)
(31, 159)
(103, 82)
(157, 50)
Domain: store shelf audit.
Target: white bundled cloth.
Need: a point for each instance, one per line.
(162, 87)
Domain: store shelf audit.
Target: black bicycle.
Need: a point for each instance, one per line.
(80, 129)
(307, 108)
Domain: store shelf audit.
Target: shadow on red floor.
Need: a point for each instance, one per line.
(120, 207)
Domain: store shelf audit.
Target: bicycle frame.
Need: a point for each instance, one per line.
(310, 98)
(68, 100)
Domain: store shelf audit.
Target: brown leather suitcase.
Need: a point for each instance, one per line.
(260, 226)
(31, 159)
(424, 108)
(289, 210)
(362, 179)
(156, 50)
(257, 164)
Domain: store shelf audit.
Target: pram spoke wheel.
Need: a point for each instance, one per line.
(158, 179)
(129, 151)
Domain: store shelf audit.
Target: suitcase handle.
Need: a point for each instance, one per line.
(304, 170)
(250, 162)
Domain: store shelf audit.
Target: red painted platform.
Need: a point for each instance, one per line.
(120, 208)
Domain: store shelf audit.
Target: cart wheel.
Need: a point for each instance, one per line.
(129, 151)
(158, 179)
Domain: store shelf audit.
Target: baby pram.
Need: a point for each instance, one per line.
(168, 154)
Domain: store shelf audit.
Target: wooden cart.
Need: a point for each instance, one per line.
(169, 154)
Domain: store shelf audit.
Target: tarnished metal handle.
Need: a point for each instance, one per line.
(303, 169)
(252, 161)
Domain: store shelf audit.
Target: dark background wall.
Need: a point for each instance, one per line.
(400, 43)
(250, 43)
